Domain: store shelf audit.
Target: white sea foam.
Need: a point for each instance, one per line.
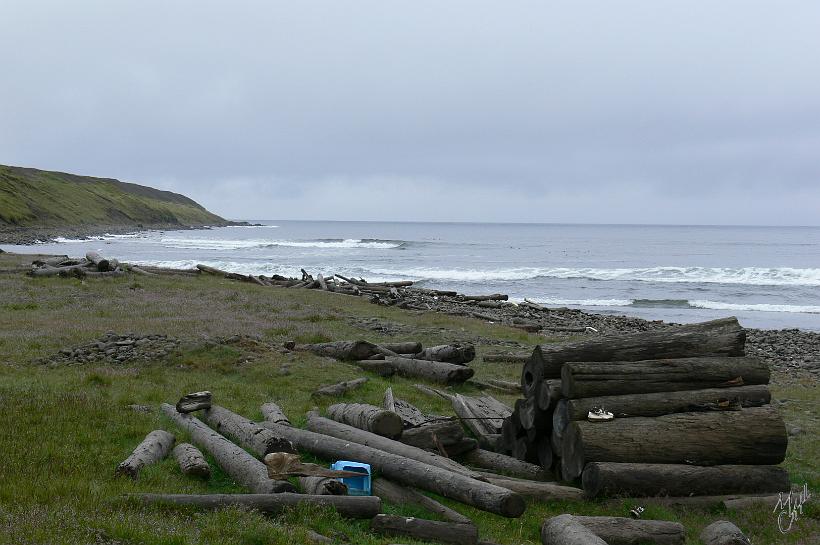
(584, 302)
(212, 244)
(760, 307)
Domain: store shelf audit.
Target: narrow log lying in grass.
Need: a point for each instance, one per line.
(322, 486)
(506, 358)
(273, 413)
(744, 502)
(342, 350)
(340, 388)
(425, 530)
(408, 471)
(567, 530)
(626, 479)
(403, 348)
(723, 532)
(504, 385)
(245, 432)
(699, 502)
(660, 403)
(191, 461)
(722, 337)
(194, 402)
(539, 490)
(410, 415)
(356, 507)
(500, 463)
(367, 417)
(459, 354)
(627, 531)
(589, 379)
(238, 464)
(755, 436)
(400, 495)
(434, 371)
(152, 449)
(380, 367)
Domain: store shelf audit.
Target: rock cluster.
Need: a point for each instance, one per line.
(114, 348)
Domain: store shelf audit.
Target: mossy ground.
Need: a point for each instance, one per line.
(66, 428)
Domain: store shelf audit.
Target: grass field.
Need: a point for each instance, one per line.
(65, 428)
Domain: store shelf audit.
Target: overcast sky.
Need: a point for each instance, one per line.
(602, 112)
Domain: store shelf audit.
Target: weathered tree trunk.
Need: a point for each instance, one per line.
(723, 532)
(751, 436)
(590, 379)
(367, 417)
(491, 297)
(409, 414)
(566, 530)
(341, 388)
(625, 479)
(539, 490)
(356, 507)
(434, 371)
(744, 502)
(506, 358)
(425, 530)
(191, 461)
(660, 403)
(102, 263)
(152, 449)
(238, 464)
(547, 394)
(342, 350)
(627, 531)
(505, 385)
(400, 495)
(408, 471)
(403, 348)
(345, 432)
(194, 402)
(212, 270)
(700, 502)
(67, 270)
(500, 463)
(380, 367)
(459, 354)
(322, 486)
(722, 337)
(272, 413)
(246, 433)
(442, 435)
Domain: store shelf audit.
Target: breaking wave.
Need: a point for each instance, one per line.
(350, 243)
(681, 304)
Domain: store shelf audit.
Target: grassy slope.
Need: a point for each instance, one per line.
(38, 198)
(66, 428)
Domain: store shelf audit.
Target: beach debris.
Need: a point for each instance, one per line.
(340, 388)
(152, 449)
(194, 402)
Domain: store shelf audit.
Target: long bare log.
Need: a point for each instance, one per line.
(627, 531)
(403, 348)
(751, 436)
(434, 371)
(567, 530)
(342, 350)
(191, 461)
(539, 490)
(589, 379)
(400, 495)
(238, 464)
(425, 530)
(367, 417)
(408, 471)
(246, 433)
(340, 388)
(152, 449)
(445, 436)
(356, 507)
(722, 337)
(500, 463)
(460, 354)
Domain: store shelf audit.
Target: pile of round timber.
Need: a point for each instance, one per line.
(691, 414)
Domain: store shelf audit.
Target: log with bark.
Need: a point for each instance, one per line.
(399, 495)
(627, 531)
(152, 449)
(460, 354)
(246, 433)
(723, 532)
(355, 507)
(322, 486)
(502, 464)
(628, 479)
(367, 417)
(590, 379)
(238, 464)
(340, 388)
(755, 436)
(191, 461)
(194, 402)
(273, 413)
(722, 337)
(425, 530)
(567, 530)
(408, 471)
(660, 403)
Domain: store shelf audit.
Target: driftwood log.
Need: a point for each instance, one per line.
(425, 530)
(399, 495)
(342, 350)
(460, 354)
(589, 379)
(191, 461)
(367, 417)
(322, 486)
(282, 465)
(152, 449)
(755, 436)
(567, 530)
(625, 479)
(407, 471)
(490, 297)
(410, 415)
(272, 413)
(627, 531)
(445, 436)
(506, 358)
(723, 532)
(660, 403)
(722, 337)
(194, 402)
(102, 263)
(340, 388)
(403, 348)
(246, 433)
(539, 490)
(434, 371)
(547, 394)
(238, 464)
(503, 464)
(356, 507)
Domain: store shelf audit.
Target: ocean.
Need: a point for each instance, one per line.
(769, 277)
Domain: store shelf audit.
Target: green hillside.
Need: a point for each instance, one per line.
(38, 198)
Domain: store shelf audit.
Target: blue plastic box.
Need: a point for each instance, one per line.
(356, 486)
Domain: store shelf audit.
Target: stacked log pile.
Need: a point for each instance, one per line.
(691, 414)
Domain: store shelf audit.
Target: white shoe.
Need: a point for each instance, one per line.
(598, 414)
